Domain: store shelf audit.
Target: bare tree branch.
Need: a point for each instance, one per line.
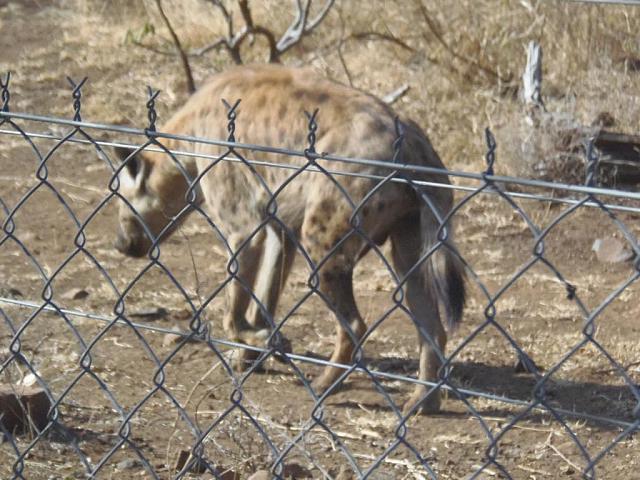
(437, 34)
(233, 40)
(191, 86)
(257, 29)
(301, 26)
(381, 36)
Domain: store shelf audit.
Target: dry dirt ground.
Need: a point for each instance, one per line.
(105, 372)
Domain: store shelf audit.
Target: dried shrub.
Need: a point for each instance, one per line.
(544, 146)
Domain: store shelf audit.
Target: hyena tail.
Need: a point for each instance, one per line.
(445, 272)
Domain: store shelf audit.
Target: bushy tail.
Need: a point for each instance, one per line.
(444, 269)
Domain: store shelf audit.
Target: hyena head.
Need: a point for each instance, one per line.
(147, 210)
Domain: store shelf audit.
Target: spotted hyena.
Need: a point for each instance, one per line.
(313, 213)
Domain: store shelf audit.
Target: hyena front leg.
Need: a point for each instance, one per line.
(240, 292)
(278, 254)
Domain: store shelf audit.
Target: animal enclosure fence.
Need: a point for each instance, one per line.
(120, 383)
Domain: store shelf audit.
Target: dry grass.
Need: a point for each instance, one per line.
(463, 69)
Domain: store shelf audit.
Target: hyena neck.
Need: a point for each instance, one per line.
(172, 178)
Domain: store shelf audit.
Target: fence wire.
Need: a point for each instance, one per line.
(243, 433)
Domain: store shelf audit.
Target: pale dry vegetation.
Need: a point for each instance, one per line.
(463, 69)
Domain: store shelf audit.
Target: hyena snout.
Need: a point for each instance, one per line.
(132, 246)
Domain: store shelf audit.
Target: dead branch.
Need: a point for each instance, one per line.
(393, 97)
(302, 26)
(340, 45)
(234, 39)
(532, 76)
(153, 49)
(435, 30)
(274, 54)
(381, 36)
(191, 86)
(232, 42)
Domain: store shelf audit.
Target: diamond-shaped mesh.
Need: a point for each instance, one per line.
(141, 379)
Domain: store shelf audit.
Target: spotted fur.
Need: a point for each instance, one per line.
(314, 210)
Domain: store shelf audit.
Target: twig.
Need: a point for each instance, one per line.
(191, 86)
(61, 180)
(274, 53)
(381, 36)
(153, 49)
(433, 28)
(411, 466)
(191, 392)
(615, 370)
(392, 97)
(339, 48)
(207, 48)
(344, 64)
(561, 455)
(301, 26)
(533, 470)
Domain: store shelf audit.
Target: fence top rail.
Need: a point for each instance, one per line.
(288, 166)
(483, 177)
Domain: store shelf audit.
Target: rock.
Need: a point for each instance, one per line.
(183, 314)
(291, 471)
(172, 338)
(23, 408)
(15, 293)
(611, 250)
(181, 461)
(295, 471)
(75, 294)
(150, 313)
(29, 380)
(129, 464)
(198, 467)
(11, 293)
(229, 475)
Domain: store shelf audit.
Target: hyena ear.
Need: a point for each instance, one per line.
(135, 166)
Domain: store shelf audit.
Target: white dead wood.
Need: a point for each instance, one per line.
(392, 97)
(302, 26)
(532, 76)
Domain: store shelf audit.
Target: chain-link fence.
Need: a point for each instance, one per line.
(125, 370)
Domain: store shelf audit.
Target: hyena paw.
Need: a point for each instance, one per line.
(421, 403)
(326, 380)
(243, 359)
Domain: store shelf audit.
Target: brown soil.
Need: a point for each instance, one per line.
(105, 372)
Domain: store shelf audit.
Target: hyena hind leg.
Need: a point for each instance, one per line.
(406, 243)
(336, 288)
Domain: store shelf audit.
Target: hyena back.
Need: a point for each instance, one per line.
(316, 214)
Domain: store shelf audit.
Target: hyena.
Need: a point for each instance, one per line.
(314, 213)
